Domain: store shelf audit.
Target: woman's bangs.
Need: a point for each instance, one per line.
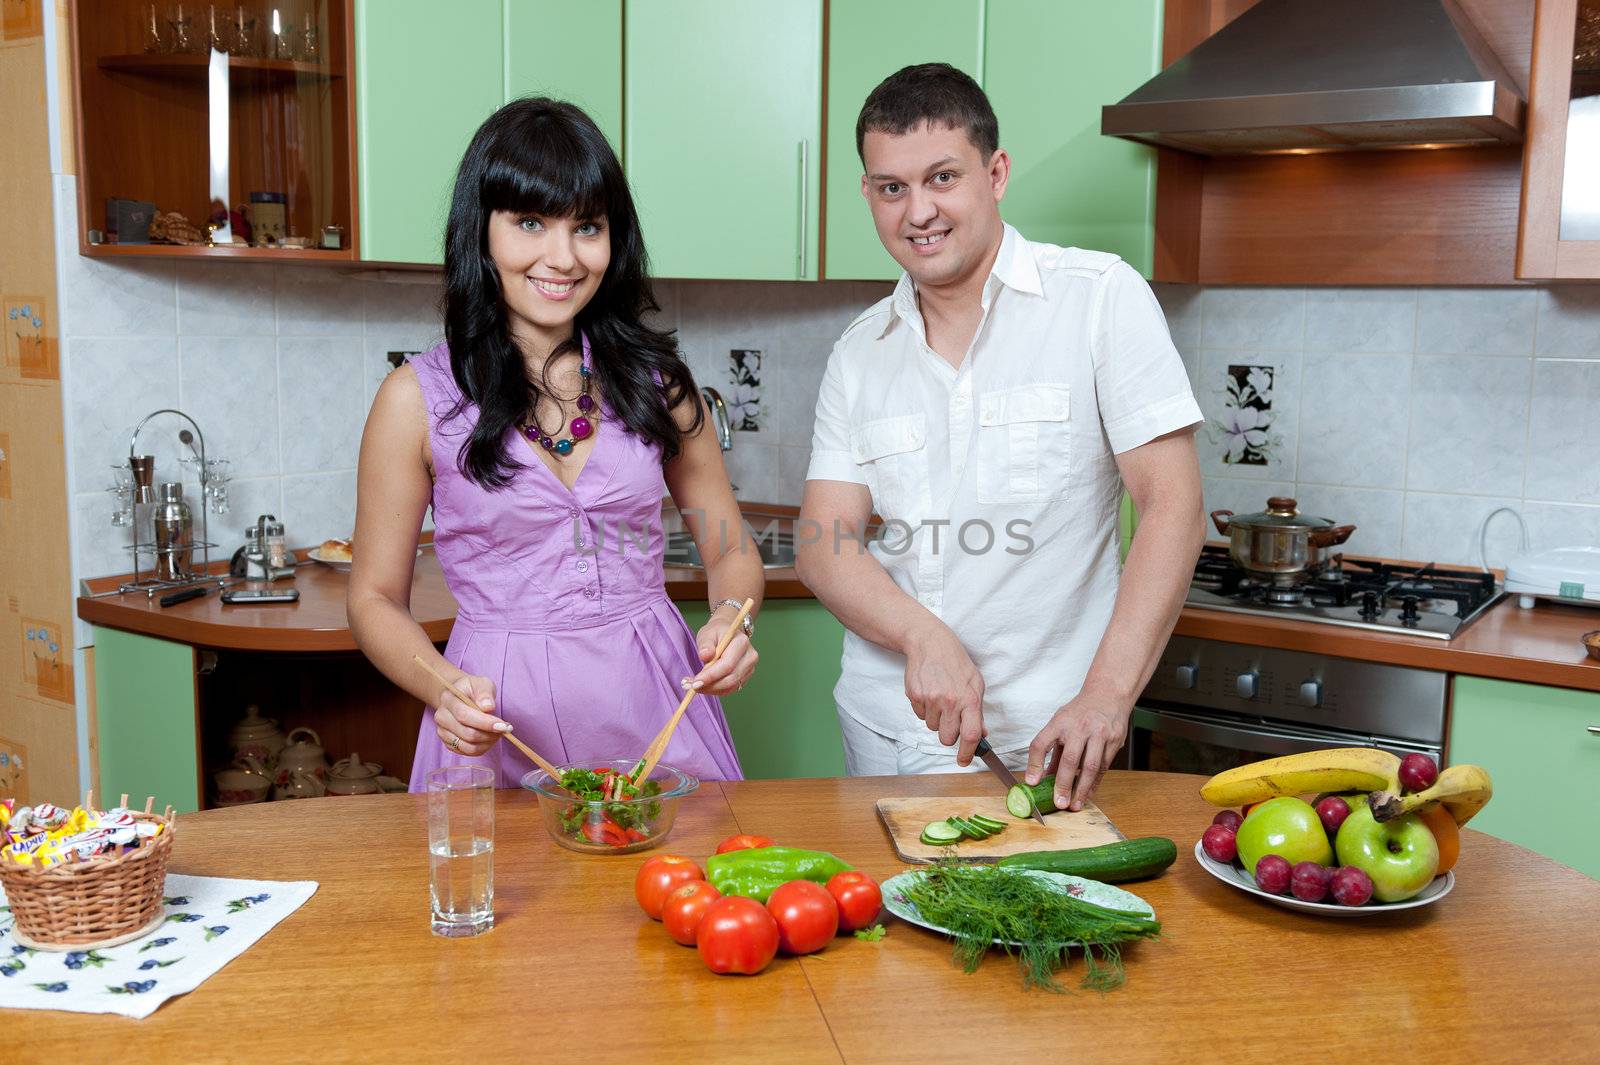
(549, 176)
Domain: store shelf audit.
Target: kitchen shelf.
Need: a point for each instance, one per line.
(196, 66)
(221, 251)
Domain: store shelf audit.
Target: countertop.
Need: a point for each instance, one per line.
(1499, 970)
(1538, 646)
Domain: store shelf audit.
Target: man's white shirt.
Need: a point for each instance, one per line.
(998, 480)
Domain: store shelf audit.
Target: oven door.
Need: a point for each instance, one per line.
(1188, 741)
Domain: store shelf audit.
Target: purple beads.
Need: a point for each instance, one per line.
(581, 427)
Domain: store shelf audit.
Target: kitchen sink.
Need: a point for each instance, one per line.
(776, 550)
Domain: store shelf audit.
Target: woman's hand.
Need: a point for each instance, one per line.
(730, 672)
(465, 716)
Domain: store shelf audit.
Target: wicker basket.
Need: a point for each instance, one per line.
(90, 902)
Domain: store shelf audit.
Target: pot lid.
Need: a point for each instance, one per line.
(1281, 513)
(353, 768)
(254, 725)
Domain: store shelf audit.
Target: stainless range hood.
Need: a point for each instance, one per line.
(1328, 75)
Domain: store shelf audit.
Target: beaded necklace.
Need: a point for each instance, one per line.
(582, 426)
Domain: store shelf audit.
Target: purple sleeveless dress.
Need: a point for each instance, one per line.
(562, 602)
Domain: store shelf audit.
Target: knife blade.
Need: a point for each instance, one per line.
(998, 768)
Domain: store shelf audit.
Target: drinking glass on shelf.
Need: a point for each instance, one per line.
(247, 32)
(180, 19)
(310, 40)
(461, 849)
(281, 46)
(221, 36)
(121, 490)
(153, 27)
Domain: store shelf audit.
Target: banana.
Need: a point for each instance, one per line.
(1335, 769)
(1461, 789)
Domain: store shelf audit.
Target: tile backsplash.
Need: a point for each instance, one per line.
(1409, 413)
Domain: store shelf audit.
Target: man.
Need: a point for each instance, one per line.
(991, 410)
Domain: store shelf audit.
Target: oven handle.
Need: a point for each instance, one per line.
(1261, 738)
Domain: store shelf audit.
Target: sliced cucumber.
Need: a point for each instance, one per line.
(968, 829)
(987, 822)
(1042, 794)
(941, 834)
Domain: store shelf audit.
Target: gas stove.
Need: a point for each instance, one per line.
(1427, 600)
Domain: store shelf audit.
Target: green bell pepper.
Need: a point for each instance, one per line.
(757, 872)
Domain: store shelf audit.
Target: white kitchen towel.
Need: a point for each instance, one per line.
(210, 921)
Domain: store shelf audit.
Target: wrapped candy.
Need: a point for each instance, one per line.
(49, 817)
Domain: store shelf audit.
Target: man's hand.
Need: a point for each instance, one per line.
(945, 689)
(1081, 739)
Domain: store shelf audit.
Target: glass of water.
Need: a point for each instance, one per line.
(461, 849)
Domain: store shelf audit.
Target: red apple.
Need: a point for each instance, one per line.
(1350, 886)
(1418, 772)
(1219, 844)
(1273, 874)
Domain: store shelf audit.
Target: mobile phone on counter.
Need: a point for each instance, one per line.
(248, 596)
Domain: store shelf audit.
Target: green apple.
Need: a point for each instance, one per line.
(1401, 856)
(1286, 826)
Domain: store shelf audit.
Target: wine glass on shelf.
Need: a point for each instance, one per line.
(121, 490)
(180, 19)
(153, 28)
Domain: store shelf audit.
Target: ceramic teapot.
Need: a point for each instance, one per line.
(298, 784)
(304, 754)
(257, 737)
(352, 776)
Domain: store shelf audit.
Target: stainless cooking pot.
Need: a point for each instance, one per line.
(1280, 541)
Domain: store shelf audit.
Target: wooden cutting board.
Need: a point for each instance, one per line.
(906, 818)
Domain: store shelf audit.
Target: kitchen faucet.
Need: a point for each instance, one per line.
(719, 420)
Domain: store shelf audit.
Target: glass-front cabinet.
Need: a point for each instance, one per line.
(1560, 237)
(214, 129)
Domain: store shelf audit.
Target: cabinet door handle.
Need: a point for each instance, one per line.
(805, 208)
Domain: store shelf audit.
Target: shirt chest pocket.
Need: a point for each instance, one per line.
(1024, 444)
(893, 454)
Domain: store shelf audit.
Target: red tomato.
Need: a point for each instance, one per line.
(658, 876)
(858, 897)
(684, 908)
(806, 914)
(742, 842)
(737, 935)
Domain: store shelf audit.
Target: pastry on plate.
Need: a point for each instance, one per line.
(336, 551)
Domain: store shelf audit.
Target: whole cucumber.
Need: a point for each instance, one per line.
(1110, 863)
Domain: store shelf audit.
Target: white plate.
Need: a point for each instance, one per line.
(1115, 898)
(1233, 874)
(343, 566)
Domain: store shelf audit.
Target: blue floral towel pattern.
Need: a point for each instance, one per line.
(209, 922)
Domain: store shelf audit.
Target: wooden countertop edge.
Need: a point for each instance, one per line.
(1447, 656)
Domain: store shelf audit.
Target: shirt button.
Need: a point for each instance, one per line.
(583, 567)
(588, 593)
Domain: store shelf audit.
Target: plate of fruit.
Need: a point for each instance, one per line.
(1380, 833)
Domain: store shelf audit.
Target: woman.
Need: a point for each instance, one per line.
(543, 432)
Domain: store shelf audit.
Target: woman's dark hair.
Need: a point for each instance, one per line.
(538, 156)
(936, 93)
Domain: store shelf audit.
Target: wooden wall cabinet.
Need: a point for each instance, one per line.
(148, 129)
(1560, 236)
(1418, 217)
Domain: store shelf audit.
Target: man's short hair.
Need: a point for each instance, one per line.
(935, 93)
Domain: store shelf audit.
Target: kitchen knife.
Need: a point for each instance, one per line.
(998, 768)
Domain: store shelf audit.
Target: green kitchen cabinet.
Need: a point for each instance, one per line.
(146, 711)
(1545, 763)
(867, 41)
(722, 135)
(784, 723)
(570, 51)
(1048, 68)
(426, 78)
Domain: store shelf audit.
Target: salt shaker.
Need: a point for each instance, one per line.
(272, 544)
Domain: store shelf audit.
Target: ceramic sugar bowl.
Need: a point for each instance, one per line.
(257, 737)
(352, 776)
(303, 751)
(245, 781)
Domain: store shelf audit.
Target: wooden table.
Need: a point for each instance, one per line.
(1502, 969)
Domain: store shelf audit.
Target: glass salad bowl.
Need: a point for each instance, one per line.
(582, 813)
